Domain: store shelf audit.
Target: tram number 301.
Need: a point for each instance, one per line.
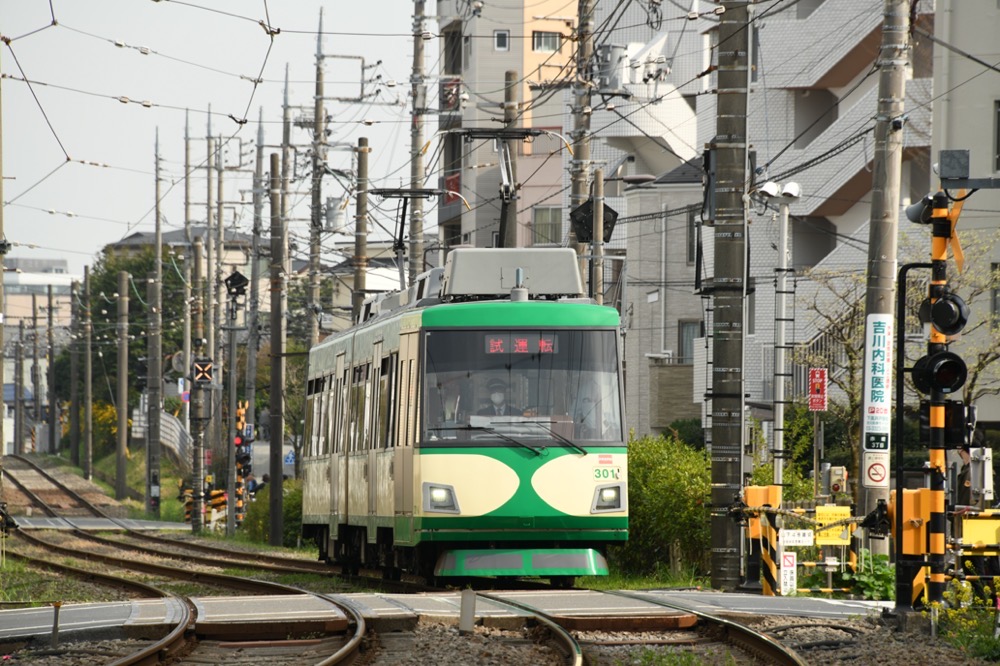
(607, 473)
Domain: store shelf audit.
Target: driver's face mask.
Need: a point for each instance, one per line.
(497, 398)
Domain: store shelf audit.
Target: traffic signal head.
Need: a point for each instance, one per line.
(943, 371)
(949, 314)
(238, 439)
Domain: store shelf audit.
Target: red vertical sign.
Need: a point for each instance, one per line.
(817, 389)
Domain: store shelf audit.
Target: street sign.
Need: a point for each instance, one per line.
(875, 469)
(789, 573)
(290, 458)
(796, 538)
(833, 536)
(186, 396)
(817, 390)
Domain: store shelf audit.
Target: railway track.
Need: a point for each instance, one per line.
(564, 641)
(185, 639)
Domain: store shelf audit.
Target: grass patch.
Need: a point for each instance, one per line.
(617, 580)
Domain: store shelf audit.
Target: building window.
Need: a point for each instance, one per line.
(692, 235)
(687, 331)
(546, 224)
(547, 42)
(501, 40)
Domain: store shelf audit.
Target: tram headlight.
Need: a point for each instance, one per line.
(607, 498)
(439, 498)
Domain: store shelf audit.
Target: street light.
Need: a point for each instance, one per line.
(771, 192)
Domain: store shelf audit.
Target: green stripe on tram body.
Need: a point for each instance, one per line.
(513, 314)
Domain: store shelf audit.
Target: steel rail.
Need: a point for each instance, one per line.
(565, 641)
(745, 637)
(153, 653)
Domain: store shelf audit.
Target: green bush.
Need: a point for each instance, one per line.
(257, 522)
(669, 486)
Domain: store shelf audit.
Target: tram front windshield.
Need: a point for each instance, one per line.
(494, 386)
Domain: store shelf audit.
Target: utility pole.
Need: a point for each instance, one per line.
(253, 336)
(318, 165)
(277, 355)
(598, 274)
(419, 92)
(120, 452)
(208, 317)
(508, 165)
(4, 247)
(53, 415)
(19, 392)
(223, 365)
(729, 290)
(580, 173)
(887, 164)
(360, 260)
(88, 373)
(198, 415)
(74, 374)
(186, 348)
(155, 353)
(36, 369)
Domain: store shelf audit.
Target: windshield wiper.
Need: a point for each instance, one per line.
(492, 431)
(565, 440)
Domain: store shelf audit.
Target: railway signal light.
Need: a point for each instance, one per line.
(943, 371)
(838, 479)
(203, 370)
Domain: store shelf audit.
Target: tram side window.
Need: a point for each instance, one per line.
(356, 427)
(386, 403)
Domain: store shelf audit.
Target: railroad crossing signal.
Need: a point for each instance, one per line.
(203, 369)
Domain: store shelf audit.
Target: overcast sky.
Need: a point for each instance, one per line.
(78, 163)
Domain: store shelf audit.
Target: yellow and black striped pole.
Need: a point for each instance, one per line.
(941, 231)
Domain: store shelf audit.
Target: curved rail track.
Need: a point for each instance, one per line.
(180, 639)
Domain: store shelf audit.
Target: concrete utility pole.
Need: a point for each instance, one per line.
(154, 392)
(887, 165)
(186, 345)
(53, 412)
(19, 392)
(729, 290)
(253, 335)
(580, 172)
(198, 412)
(277, 356)
(360, 260)
(74, 374)
(598, 280)
(223, 365)
(508, 165)
(318, 166)
(120, 451)
(88, 373)
(419, 92)
(154, 290)
(36, 369)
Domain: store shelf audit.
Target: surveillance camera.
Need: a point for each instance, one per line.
(769, 189)
(897, 123)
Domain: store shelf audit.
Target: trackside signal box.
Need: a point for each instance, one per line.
(917, 506)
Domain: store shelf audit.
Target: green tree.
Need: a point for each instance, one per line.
(669, 483)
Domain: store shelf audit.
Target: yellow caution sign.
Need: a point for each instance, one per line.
(835, 536)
